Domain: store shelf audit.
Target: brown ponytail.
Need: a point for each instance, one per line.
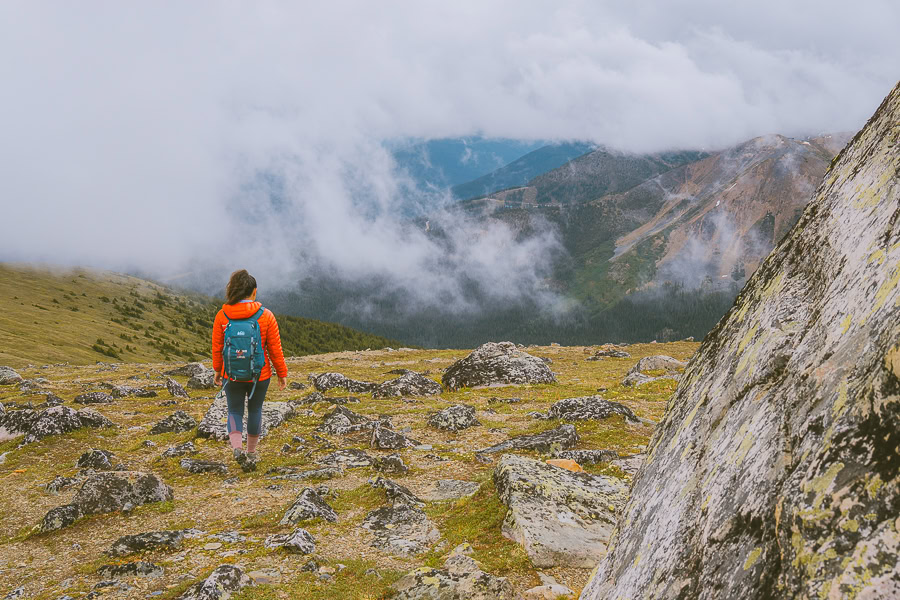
(240, 286)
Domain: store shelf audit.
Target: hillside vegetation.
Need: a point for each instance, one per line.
(80, 317)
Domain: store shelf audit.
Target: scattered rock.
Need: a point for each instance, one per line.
(391, 464)
(450, 489)
(395, 492)
(548, 591)
(494, 400)
(454, 418)
(298, 541)
(401, 529)
(180, 450)
(94, 398)
(660, 362)
(342, 421)
(609, 352)
(204, 380)
(96, 460)
(587, 457)
(9, 376)
(386, 439)
(308, 505)
(219, 585)
(60, 483)
(175, 389)
(61, 516)
(143, 542)
(192, 465)
(409, 383)
(296, 385)
(461, 578)
(347, 459)
(214, 423)
(559, 517)
(497, 364)
(138, 568)
(589, 407)
(51, 421)
(178, 422)
(561, 438)
(188, 370)
(326, 381)
(294, 474)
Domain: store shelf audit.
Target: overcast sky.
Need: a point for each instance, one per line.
(133, 132)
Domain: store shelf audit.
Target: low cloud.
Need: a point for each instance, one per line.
(196, 137)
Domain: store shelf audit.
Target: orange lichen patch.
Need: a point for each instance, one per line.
(565, 463)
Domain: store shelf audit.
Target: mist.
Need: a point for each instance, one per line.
(184, 140)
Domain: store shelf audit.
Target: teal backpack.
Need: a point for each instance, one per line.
(243, 350)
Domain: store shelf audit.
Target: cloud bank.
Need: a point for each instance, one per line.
(202, 136)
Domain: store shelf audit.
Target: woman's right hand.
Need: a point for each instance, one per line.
(217, 380)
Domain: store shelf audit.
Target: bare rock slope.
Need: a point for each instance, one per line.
(775, 471)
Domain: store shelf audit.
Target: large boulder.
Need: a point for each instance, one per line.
(219, 585)
(55, 420)
(174, 388)
(590, 407)
(298, 541)
(343, 421)
(326, 381)
(669, 367)
(97, 460)
(401, 529)
(408, 384)
(309, 505)
(215, 422)
(8, 376)
(188, 370)
(497, 363)
(203, 380)
(454, 418)
(388, 439)
(775, 472)
(94, 398)
(144, 542)
(563, 437)
(559, 517)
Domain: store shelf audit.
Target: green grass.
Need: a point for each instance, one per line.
(352, 582)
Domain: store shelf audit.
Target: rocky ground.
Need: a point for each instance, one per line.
(361, 491)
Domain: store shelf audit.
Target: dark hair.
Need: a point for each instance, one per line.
(240, 286)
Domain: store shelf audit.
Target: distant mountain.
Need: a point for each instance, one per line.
(520, 171)
(443, 163)
(80, 317)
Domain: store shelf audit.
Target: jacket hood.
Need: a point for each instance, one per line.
(241, 310)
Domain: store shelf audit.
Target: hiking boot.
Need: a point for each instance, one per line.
(237, 452)
(247, 460)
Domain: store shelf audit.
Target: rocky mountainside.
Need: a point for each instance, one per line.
(81, 316)
(419, 473)
(776, 471)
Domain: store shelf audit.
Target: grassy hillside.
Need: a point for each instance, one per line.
(80, 317)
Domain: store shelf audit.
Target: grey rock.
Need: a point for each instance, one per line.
(192, 465)
(61, 516)
(630, 464)
(588, 457)
(409, 383)
(14, 423)
(188, 370)
(180, 450)
(443, 490)
(454, 418)
(347, 459)
(774, 473)
(497, 363)
(55, 420)
(97, 460)
(174, 388)
(391, 464)
(589, 407)
(343, 421)
(138, 568)
(563, 437)
(94, 398)
(395, 492)
(295, 474)
(178, 422)
(387, 439)
(214, 423)
(60, 483)
(204, 380)
(220, 584)
(461, 579)
(660, 362)
(112, 491)
(326, 381)
(401, 529)
(309, 505)
(9, 376)
(298, 541)
(143, 542)
(559, 517)
(19, 592)
(609, 352)
(296, 385)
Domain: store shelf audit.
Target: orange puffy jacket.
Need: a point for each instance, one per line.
(268, 328)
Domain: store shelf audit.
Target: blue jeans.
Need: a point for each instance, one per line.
(235, 393)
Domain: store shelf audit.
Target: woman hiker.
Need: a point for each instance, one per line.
(241, 304)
